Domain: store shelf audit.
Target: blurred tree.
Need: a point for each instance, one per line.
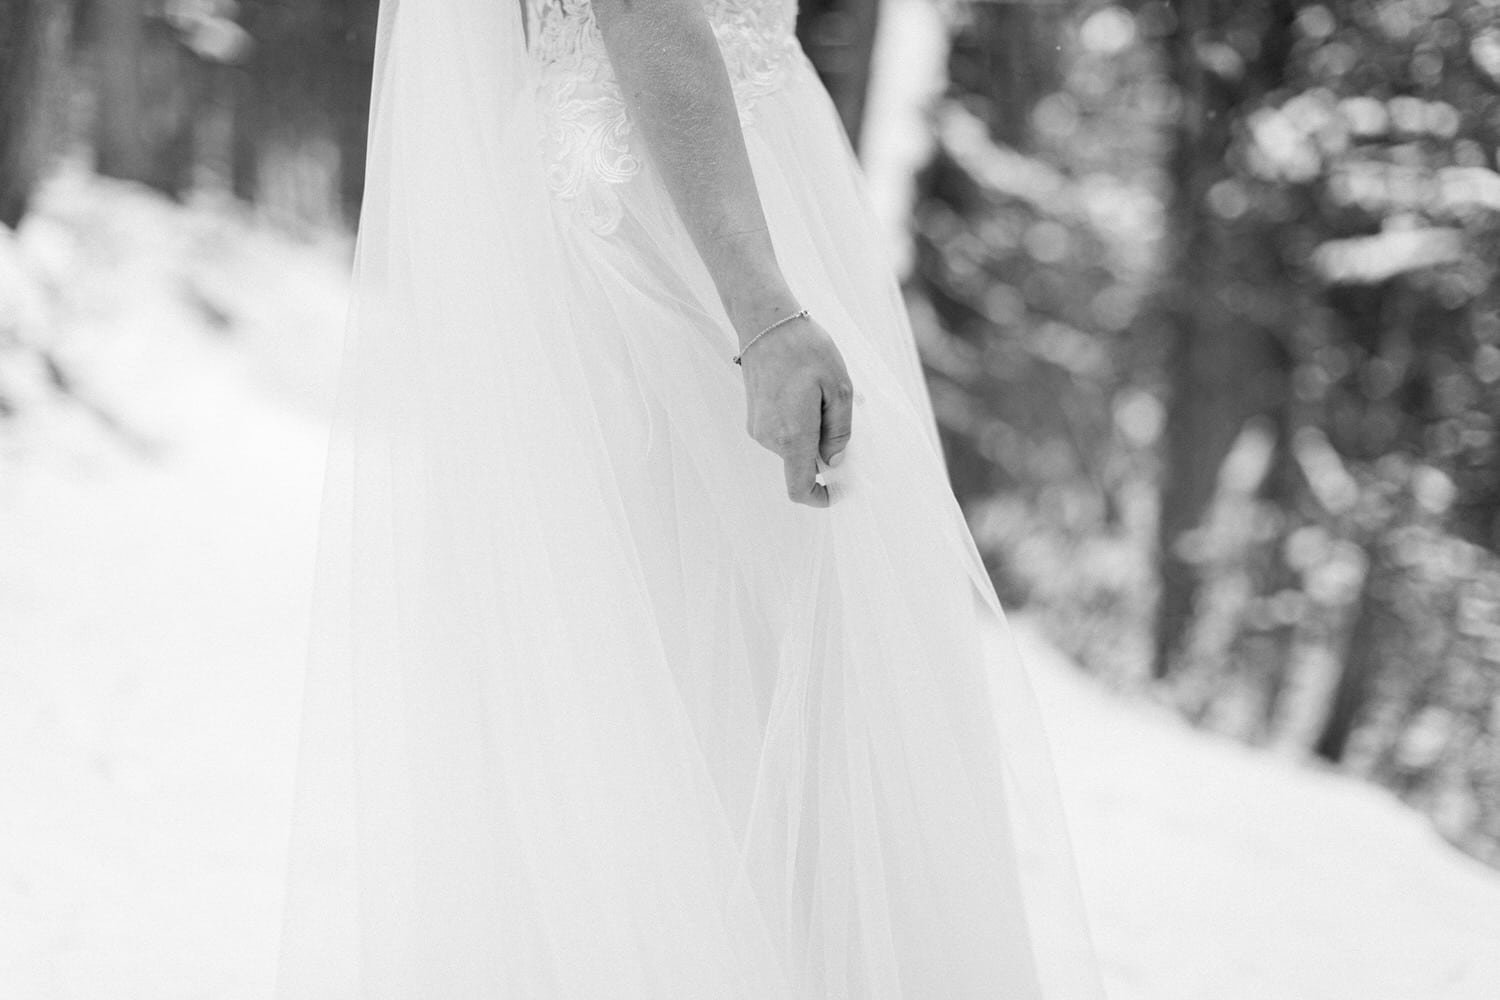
(1223, 362)
(291, 84)
(1002, 60)
(1035, 229)
(1008, 52)
(303, 92)
(839, 38)
(149, 92)
(1359, 192)
(270, 96)
(33, 40)
(1218, 292)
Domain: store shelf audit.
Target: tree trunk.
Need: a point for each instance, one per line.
(1280, 490)
(1205, 354)
(1361, 663)
(152, 89)
(33, 41)
(245, 129)
(307, 81)
(1008, 53)
(839, 38)
(120, 143)
(1222, 366)
(353, 68)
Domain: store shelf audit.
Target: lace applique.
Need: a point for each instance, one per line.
(758, 40)
(588, 129)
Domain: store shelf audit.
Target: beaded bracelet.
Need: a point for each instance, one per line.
(785, 319)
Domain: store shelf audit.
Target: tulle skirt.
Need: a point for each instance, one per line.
(592, 710)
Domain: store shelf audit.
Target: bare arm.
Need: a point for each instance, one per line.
(677, 90)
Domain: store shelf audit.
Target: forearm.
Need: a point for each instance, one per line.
(676, 88)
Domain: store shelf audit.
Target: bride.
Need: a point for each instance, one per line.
(651, 655)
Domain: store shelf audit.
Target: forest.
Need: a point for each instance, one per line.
(1206, 291)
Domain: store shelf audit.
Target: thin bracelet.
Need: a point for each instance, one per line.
(785, 319)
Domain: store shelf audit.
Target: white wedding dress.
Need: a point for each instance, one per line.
(592, 710)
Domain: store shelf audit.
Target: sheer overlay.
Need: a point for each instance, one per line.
(592, 710)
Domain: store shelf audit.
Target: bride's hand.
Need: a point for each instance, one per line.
(799, 403)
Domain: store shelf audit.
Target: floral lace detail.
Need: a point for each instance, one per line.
(587, 127)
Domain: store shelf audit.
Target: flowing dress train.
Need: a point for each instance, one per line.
(593, 711)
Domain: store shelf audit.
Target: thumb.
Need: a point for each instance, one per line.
(838, 415)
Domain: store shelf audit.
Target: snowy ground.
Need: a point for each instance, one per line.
(152, 611)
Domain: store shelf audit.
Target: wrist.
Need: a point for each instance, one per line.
(751, 310)
(771, 328)
(749, 281)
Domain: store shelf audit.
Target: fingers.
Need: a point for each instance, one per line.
(797, 444)
(838, 415)
(801, 482)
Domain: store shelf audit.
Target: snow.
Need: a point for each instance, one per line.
(1216, 870)
(152, 609)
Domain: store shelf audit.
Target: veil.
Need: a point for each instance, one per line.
(501, 791)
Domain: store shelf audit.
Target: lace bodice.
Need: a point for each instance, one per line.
(589, 144)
